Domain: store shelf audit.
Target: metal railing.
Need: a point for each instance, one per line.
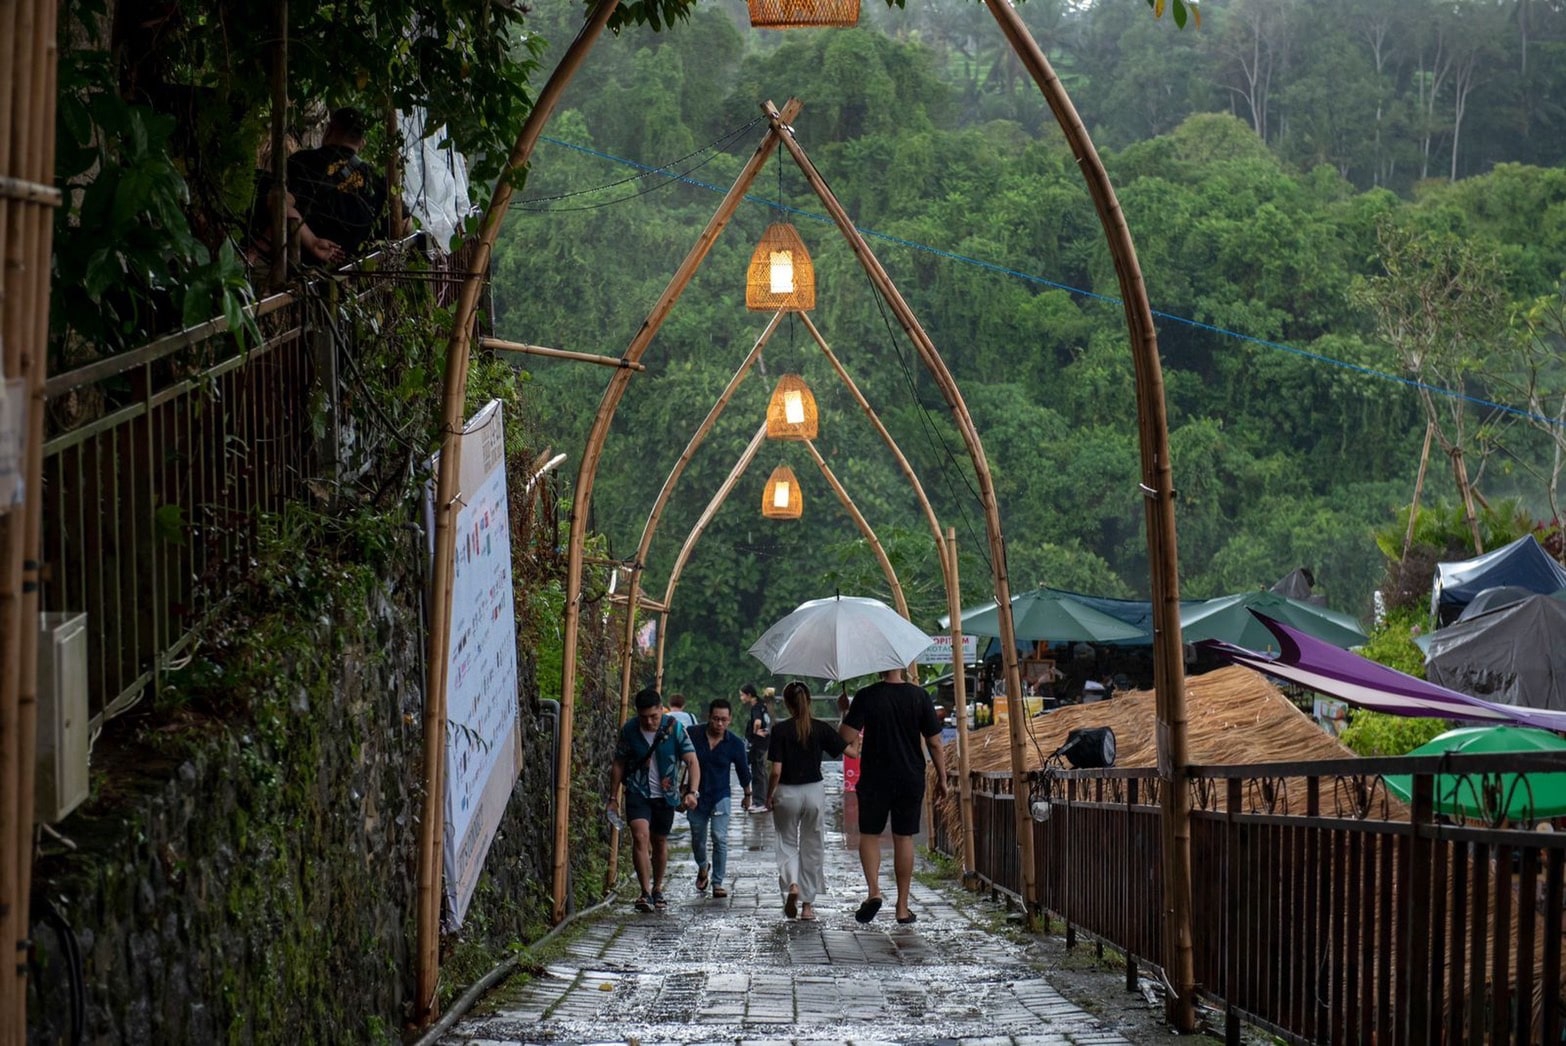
(161, 462)
(1326, 909)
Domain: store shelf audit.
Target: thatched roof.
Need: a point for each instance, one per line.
(1233, 715)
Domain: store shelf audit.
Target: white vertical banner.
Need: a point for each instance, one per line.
(483, 739)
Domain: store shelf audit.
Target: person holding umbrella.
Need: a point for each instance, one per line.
(894, 715)
(797, 799)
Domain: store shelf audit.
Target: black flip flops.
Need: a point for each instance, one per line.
(868, 909)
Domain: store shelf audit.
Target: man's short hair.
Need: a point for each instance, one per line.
(748, 688)
(349, 121)
(676, 700)
(717, 703)
(647, 698)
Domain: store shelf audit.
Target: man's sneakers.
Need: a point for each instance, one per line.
(658, 902)
(644, 903)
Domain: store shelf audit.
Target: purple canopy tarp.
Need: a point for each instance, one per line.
(1338, 673)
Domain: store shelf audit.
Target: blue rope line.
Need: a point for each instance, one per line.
(1003, 270)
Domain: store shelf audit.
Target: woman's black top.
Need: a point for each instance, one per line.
(802, 762)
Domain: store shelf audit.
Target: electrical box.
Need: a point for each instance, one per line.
(63, 726)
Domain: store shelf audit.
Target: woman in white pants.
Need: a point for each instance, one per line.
(798, 801)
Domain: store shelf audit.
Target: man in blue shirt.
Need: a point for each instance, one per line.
(647, 760)
(716, 750)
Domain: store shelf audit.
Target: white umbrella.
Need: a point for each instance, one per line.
(839, 638)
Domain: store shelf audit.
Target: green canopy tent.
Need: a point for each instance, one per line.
(1229, 619)
(1053, 616)
(1491, 796)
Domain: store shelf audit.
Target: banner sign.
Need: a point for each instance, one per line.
(940, 652)
(483, 737)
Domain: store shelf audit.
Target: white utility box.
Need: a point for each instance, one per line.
(63, 726)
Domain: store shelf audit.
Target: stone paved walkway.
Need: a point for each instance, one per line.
(736, 971)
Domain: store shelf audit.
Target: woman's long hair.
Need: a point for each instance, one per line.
(796, 697)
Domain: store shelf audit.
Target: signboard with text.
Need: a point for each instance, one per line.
(940, 652)
(483, 739)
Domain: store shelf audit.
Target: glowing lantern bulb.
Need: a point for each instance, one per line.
(782, 270)
(780, 494)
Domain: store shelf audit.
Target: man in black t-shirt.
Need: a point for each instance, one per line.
(893, 716)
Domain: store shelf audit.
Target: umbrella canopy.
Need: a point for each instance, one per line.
(840, 638)
(1052, 615)
(1229, 619)
(1488, 795)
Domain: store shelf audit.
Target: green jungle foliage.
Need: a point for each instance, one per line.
(1283, 168)
(1295, 438)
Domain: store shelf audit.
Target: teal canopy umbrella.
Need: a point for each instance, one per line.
(1491, 796)
(1229, 619)
(1054, 616)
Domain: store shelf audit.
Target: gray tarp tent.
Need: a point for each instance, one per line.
(1515, 655)
(1523, 563)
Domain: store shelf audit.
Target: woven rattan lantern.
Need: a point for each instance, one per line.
(791, 413)
(781, 499)
(780, 274)
(803, 14)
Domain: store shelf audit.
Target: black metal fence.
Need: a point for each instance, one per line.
(1326, 909)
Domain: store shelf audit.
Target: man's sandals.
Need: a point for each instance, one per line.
(868, 909)
(791, 905)
(701, 879)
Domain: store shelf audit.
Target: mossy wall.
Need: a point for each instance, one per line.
(246, 869)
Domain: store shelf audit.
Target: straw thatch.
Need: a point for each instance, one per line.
(1228, 712)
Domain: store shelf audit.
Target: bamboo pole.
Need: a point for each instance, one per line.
(864, 529)
(26, 229)
(953, 396)
(16, 102)
(589, 469)
(960, 699)
(13, 90)
(40, 243)
(455, 387)
(1158, 491)
(891, 444)
(498, 345)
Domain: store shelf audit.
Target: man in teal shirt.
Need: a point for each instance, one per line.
(647, 760)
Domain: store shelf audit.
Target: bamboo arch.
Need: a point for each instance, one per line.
(1157, 486)
(1158, 494)
(778, 132)
(943, 546)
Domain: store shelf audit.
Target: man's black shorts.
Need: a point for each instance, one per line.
(903, 807)
(658, 814)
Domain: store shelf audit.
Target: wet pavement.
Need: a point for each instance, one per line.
(734, 970)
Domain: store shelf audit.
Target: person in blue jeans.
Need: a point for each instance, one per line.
(717, 749)
(647, 760)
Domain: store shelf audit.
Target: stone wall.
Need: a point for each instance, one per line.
(246, 868)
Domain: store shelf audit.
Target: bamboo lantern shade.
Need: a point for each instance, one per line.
(781, 499)
(791, 413)
(803, 14)
(780, 274)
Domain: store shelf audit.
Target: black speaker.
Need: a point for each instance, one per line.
(1089, 748)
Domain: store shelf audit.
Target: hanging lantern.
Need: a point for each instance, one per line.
(803, 14)
(780, 274)
(791, 413)
(781, 499)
